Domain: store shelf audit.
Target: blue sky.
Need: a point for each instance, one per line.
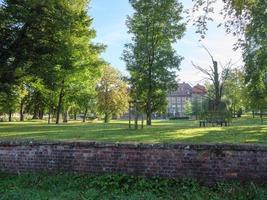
(109, 22)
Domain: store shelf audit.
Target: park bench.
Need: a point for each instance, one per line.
(217, 121)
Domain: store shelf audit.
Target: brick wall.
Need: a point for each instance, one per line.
(207, 163)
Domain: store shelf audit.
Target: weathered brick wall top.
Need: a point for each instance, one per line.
(234, 147)
(209, 163)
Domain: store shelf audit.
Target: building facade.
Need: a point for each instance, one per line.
(178, 98)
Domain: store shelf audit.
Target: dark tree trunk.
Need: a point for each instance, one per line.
(261, 115)
(149, 99)
(59, 106)
(10, 116)
(106, 118)
(49, 114)
(149, 113)
(234, 111)
(21, 111)
(41, 113)
(35, 112)
(85, 114)
(136, 116)
(216, 86)
(65, 116)
(253, 113)
(75, 115)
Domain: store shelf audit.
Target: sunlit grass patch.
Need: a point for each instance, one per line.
(244, 130)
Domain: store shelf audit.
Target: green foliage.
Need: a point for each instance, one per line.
(255, 48)
(150, 58)
(112, 94)
(248, 20)
(9, 100)
(234, 91)
(50, 43)
(188, 108)
(199, 105)
(237, 14)
(70, 186)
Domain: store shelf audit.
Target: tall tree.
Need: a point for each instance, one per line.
(255, 56)
(9, 101)
(217, 78)
(234, 90)
(150, 58)
(112, 94)
(82, 92)
(49, 40)
(79, 54)
(246, 19)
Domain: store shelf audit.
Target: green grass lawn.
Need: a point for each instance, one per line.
(244, 130)
(82, 187)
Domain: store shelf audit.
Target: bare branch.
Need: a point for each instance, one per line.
(206, 49)
(204, 71)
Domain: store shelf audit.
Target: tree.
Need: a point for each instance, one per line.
(79, 54)
(112, 94)
(50, 41)
(246, 19)
(254, 54)
(82, 93)
(218, 79)
(237, 14)
(9, 101)
(197, 105)
(150, 58)
(234, 90)
(188, 108)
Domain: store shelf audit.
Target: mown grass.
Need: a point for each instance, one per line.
(244, 130)
(81, 187)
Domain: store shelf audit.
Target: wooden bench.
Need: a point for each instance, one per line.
(218, 121)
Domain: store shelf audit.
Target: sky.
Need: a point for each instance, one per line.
(109, 23)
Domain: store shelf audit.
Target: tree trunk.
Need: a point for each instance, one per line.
(253, 114)
(85, 114)
(261, 115)
(149, 98)
(35, 112)
(59, 106)
(216, 87)
(41, 113)
(106, 118)
(149, 113)
(136, 116)
(21, 111)
(65, 116)
(49, 114)
(10, 116)
(234, 111)
(75, 115)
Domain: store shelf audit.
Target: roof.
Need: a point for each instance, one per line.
(199, 89)
(183, 90)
